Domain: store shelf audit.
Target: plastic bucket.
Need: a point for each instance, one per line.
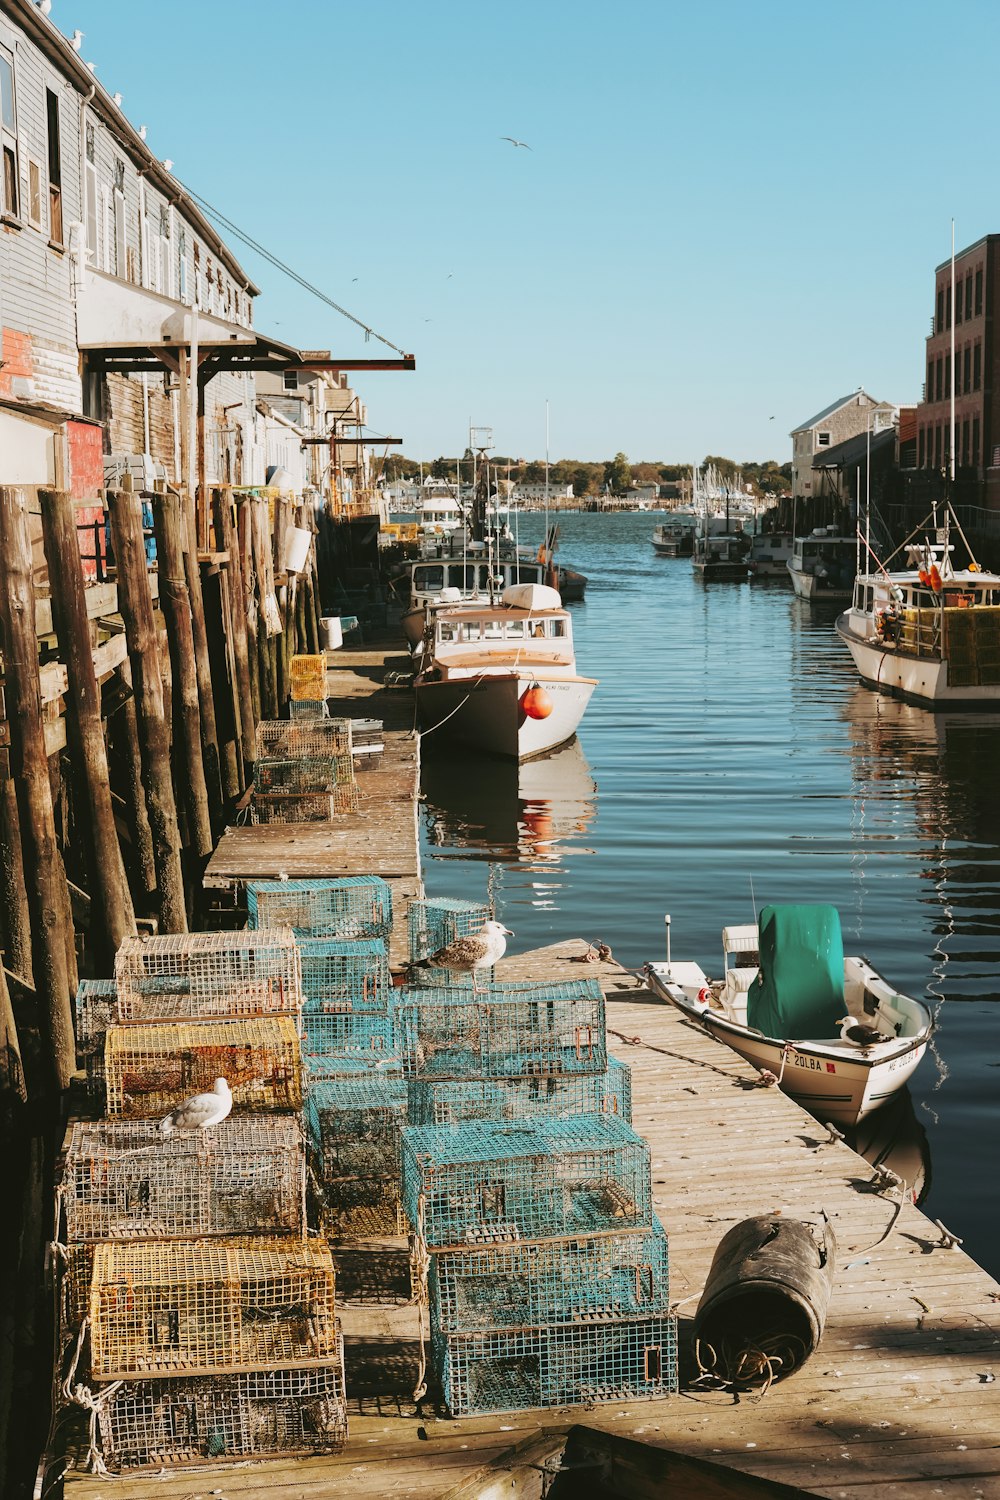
(333, 632)
(297, 548)
(765, 1301)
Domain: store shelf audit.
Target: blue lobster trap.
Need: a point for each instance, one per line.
(355, 1123)
(482, 1184)
(360, 1208)
(334, 1041)
(589, 1280)
(450, 1101)
(432, 925)
(351, 907)
(95, 1009)
(345, 975)
(563, 1365)
(511, 1031)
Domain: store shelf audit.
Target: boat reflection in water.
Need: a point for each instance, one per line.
(894, 1138)
(531, 814)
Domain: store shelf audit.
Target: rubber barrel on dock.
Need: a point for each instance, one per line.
(765, 1301)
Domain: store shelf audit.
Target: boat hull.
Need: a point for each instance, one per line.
(486, 714)
(808, 586)
(827, 1080)
(917, 679)
(732, 571)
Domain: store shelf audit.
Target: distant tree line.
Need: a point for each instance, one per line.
(616, 474)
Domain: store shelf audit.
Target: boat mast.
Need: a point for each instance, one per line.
(548, 558)
(951, 461)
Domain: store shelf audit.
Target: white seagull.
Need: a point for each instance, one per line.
(477, 950)
(516, 143)
(201, 1111)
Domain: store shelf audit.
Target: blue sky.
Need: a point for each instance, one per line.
(730, 212)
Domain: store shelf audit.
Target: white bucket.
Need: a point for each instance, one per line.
(297, 548)
(333, 632)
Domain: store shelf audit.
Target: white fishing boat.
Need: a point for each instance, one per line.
(829, 1030)
(502, 678)
(929, 633)
(770, 554)
(674, 538)
(822, 565)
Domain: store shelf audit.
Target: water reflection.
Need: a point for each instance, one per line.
(535, 814)
(894, 1138)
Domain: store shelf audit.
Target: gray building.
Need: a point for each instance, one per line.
(842, 419)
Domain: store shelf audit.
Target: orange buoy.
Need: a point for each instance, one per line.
(924, 576)
(935, 579)
(536, 702)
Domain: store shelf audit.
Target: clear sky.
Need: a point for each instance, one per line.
(729, 216)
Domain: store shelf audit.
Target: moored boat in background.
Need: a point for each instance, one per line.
(822, 564)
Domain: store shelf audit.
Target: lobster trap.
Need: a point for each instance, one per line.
(481, 1184)
(564, 1365)
(123, 1180)
(432, 925)
(355, 1124)
(351, 907)
(94, 1009)
(255, 1414)
(360, 1208)
(207, 1306)
(151, 1069)
(304, 807)
(303, 739)
(208, 976)
(331, 1039)
(513, 1031)
(592, 1280)
(345, 975)
(450, 1101)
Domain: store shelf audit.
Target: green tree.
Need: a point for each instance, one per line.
(617, 474)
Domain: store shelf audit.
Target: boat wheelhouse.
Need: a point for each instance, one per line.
(823, 564)
(770, 554)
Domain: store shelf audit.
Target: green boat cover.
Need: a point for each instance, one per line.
(799, 991)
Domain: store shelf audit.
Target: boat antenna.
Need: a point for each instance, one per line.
(753, 899)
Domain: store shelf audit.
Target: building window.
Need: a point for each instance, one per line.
(182, 267)
(90, 180)
(8, 136)
(979, 291)
(967, 369)
(958, 304)
(938, 379)
(977, 365)
(55, 168)
(965, 443)
(118, 213)
(91, 143)
(968, 297)
(975, 442)
(947, 310)
(929, 387)
(290, 380)
(947, 379)
(34, 203)
(939, 324)
(920, 449)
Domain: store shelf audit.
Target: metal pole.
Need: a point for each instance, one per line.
(951, 459)
(666, 923)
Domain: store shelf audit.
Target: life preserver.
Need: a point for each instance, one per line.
(704, 995)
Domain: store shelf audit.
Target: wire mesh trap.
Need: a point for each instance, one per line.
(304, 807)
(208, 975)
(591, 1280)
(341, 974)
(547, 1096)
(432, 925)
(510, 1032)
(359, 1208)
(151, 1069)
(206, 1306)
(123, 1180)
(332, 1039)
(480, 1184)
(351, 907)
(94, 1008)
(556, 1366)
(169, 1423)
(355, 1124)
(303, 739)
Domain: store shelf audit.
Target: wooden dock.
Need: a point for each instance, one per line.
(899, 1400)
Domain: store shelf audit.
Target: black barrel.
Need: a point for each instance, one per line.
(764, 1305)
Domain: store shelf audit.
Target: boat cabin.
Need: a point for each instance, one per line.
(469, 641)
(825, 554)
(470, 577)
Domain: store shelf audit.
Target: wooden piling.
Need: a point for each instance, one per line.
(176, 608)
(206, 692)
(136, 608)
(227, 540)
(244, 546)
(15, 919)
(125, 738)
(48, 896)
(111, 910)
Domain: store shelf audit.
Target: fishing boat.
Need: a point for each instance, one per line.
(770, 554)
(502, 678)
(822, 564)
(828, 1029)
(717, 551)
(674, 538)
(928, 633)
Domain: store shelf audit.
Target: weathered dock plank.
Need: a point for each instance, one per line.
(897, 1400)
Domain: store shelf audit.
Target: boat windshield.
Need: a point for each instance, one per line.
(453, 632)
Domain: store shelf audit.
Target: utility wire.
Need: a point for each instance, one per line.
(281, 266)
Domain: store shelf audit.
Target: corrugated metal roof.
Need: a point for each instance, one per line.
(828, 411)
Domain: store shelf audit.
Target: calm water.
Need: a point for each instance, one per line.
(730, 748)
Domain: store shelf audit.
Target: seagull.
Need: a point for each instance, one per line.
(861, 1035)
(515, 143)
(477, 950)
(200, 1111)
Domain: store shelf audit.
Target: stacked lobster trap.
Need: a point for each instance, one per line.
(304, 771)
(544, 1270)
(193, 1302)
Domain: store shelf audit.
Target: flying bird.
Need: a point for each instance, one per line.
(515, 143)
(860, 1034)
(201, 1111)
(477, 950)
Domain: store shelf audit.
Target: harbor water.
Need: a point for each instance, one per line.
(731, 758)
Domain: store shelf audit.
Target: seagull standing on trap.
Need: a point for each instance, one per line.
(201, 1111)
(477, 950)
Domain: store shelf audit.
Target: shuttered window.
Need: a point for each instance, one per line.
(8, 137)
(55, 168)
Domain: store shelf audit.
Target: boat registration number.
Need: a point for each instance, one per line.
(814, 1063)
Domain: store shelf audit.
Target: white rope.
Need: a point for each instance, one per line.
(421, 1266)
(82, 1395)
